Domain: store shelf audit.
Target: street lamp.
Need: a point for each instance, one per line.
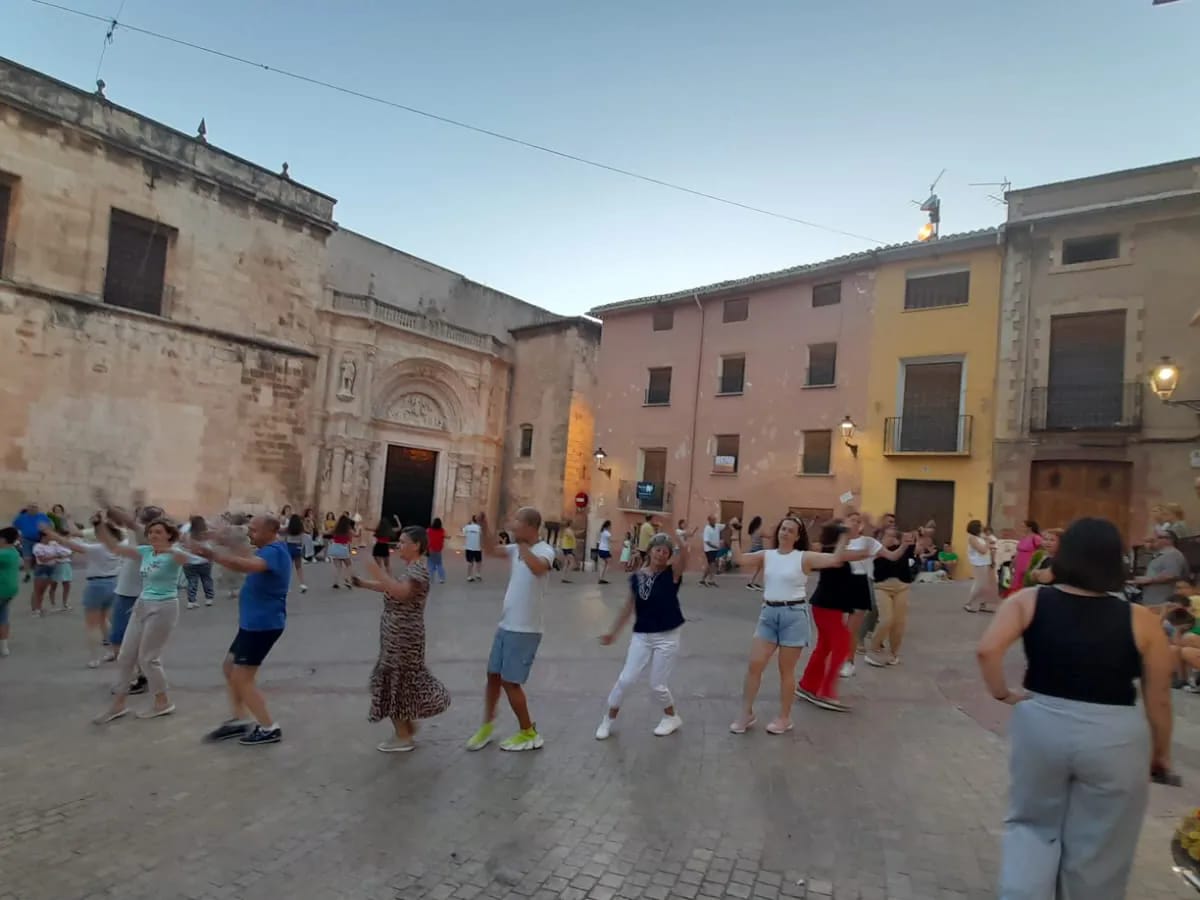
(847, 427)
(1164, 378)
(601, 456)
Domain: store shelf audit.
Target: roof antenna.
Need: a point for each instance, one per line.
(933, 206)
(1005, 186)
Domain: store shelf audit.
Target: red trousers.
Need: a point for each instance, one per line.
(823, 671)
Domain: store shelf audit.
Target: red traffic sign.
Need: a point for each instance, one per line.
(581, 500)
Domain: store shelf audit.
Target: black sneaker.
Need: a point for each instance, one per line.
(262, 735)
(139, 685)
(229, 729)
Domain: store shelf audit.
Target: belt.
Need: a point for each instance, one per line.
(774, 603)
(99, 577)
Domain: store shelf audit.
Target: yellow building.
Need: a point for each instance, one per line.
(926, 447)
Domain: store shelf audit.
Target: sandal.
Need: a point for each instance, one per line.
(153, 713)
(969, 608)
(109, 716)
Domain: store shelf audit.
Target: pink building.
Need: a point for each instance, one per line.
(729, 399)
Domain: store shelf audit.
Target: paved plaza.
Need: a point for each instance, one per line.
(902, 799)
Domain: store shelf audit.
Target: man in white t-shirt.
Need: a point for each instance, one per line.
(712, 550)
(520, 632)
(472, 535)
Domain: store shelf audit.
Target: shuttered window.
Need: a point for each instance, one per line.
(933, 291)
(134, 277)
(1087, 370)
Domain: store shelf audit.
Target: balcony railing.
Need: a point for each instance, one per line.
(731, 384)
(658, 397)
(359, 304)
(1090, 407)
(646, 496)
(927, 433)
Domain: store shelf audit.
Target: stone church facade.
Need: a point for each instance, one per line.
(175, 318)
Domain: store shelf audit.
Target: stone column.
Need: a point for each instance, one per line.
(337, 503)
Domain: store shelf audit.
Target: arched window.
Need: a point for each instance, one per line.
(526, 441)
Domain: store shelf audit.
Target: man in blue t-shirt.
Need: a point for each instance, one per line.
(262, 615)
(30, 522)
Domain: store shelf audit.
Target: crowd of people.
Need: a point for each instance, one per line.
(1081, 750)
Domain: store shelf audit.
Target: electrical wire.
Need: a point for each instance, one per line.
(456, 123)
(108, 39)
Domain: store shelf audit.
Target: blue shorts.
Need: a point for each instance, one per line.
(4, 604)
(98, 592)
(787, 626)
(27, 547)
(295, 551)
(121, 609)
(512, 655)
(44, 571)
(604, 554)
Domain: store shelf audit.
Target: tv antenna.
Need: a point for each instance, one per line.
(932, 206)
(1005, 186)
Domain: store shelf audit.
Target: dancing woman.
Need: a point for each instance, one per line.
(784, 623)
(154, 616)
(402, 688)
(654, 604)
(294, 538)
(979, 555)
(103, 566)
(339, 551)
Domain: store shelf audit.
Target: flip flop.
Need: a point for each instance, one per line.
(775, 729)
(110, 716)
(153, 713)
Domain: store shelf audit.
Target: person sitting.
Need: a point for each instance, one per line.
(946, 560)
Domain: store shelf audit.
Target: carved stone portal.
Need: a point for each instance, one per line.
(419, 411)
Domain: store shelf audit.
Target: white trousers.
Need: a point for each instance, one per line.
(659, 651)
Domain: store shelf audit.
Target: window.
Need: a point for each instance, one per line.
(822, 365)
(818, 446)
(526, 441)
(137, 263)
(1094, 248)
(1087, 373)
(658, 391)
(733, 375)
(725, 461)
(737, 310)
(932, 291)
(929, 418)
(827, 294)
(5, 202)
(663, 319)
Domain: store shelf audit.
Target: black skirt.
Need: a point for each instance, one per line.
(842, 589)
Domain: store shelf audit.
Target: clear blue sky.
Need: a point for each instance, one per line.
(839, 111)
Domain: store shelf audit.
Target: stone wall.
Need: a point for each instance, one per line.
(360, 265)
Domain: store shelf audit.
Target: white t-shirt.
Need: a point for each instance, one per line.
(872, 546)
(605, 540)
(473, 534)
(100, 561)
(129, 578)
(784, 580)
(526, 591)
(712, 537)
(975, 556)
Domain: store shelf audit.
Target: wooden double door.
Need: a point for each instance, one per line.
(1061, 491)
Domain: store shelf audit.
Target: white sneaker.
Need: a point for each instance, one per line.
(208, 601)
(605, 729)
(847, 669)
(668, 725)
(3, 648)
(193, 606)
(304, 588)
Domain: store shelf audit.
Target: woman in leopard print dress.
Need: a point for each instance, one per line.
(402, 689)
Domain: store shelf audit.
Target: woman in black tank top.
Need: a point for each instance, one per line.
(1082, 753)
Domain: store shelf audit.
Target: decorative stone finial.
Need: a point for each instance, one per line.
(100, 88)
(202, 133)
(284, 171)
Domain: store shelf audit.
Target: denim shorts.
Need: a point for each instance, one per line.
(44, 571)
(512, 655)
(98, 592)
(787, 626)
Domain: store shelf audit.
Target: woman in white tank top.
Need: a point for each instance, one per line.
(784, 623)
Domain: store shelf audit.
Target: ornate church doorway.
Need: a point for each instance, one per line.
(408, 484)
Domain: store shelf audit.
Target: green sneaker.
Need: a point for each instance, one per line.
(526, 739)
(481, 738)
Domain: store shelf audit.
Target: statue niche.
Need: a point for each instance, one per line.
(417, 411)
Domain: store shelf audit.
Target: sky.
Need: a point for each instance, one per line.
(839, 112)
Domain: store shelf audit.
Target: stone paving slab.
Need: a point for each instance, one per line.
(902, 800)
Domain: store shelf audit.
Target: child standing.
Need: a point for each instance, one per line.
(627, 551)
(10, 579)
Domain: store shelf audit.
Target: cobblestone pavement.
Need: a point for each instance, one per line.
(902, 799)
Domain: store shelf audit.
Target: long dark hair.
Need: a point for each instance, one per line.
(1032, 526)
(344, 526)
(831, 533)
(295, 525)
(385, 530)
(755, 524)
(197, 526)
(1090, 556)
(607, 524)
(436, 523)
(801, 537)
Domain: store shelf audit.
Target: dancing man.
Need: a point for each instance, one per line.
(520, 631)
(262, 616)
